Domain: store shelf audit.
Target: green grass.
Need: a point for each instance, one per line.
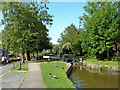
(24, 67)
(10, 58)
(112, 63)
(52, 59)
(49, 81)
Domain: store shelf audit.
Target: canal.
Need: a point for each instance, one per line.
(86, 78)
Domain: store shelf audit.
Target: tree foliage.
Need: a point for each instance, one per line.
(0, 36)
(101, 34)
(67, 37)
(102, 25)
(25, 29)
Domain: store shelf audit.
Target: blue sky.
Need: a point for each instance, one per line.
(65, 13)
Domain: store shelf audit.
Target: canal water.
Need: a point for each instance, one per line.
(86, 78)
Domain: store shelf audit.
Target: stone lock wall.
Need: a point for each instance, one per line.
(101, 67)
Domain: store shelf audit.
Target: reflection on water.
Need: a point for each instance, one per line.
(86, 78)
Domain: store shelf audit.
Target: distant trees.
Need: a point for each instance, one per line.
(55, 49)
(67, 37)
(25, 31)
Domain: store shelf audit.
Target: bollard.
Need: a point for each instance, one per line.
(81, 61)
(13, 65)
(48, 59)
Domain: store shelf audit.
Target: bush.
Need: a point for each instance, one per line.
(117, 57)
(104, 68)
(44, 53)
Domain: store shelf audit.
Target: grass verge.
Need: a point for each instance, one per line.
(61, 80)
(24, 67)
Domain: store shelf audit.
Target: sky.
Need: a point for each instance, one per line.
(65, 13)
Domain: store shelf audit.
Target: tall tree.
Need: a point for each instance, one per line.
(24, 26)
(0, 36)
(102, 25)
(67, 37)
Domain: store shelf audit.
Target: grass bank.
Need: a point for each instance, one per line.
(55, 68)
(100, 62)
(24, 67)
(111, 63)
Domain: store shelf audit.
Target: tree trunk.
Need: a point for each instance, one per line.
(108, 56)
(28, 55)
(23, 57)
(37, 55)
(74, 62)
(33, 55)
(16, 55)
(74, 58)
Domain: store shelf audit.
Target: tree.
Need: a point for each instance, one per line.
(67, 37)
(76, 44)
(55, 49)
(102, 25)
(24, 26)
(0, 36)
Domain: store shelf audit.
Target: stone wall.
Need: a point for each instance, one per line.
(101, 67)
(69, 70)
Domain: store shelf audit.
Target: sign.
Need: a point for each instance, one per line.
(46, 56)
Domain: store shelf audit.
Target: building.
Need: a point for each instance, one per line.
(0, 50)
(0, 53)
(0, 44)
(4, 53)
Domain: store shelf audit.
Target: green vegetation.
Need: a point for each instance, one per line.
(102, 29)
(62, 81)
(99, 62)
(112, 63)
(0, 36)
(13, 58)
(24, 30)
(100, 36)
(24, 67)
(66, 39)
(103, 68)
(44, 53)
(52, 59)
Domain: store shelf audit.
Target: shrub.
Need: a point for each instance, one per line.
(44, 53)
(104, 68)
